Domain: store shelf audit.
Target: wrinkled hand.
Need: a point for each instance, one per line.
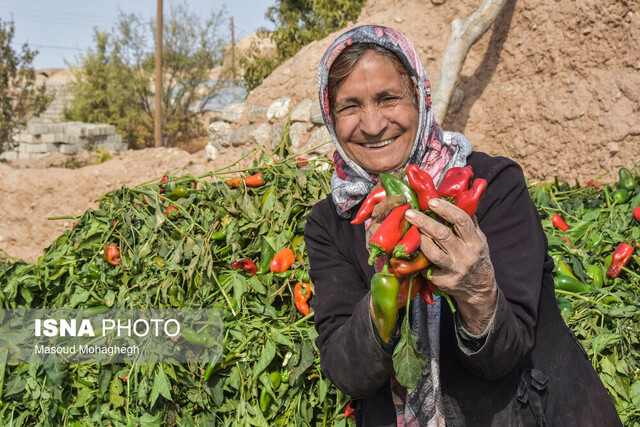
(464, 269)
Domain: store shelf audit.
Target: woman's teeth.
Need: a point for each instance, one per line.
(379, 144)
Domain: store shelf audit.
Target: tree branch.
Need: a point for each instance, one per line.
(464, 34)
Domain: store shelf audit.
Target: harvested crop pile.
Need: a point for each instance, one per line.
(232, 239)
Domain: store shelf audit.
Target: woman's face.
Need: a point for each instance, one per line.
(376, 119)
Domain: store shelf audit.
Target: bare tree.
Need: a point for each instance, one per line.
(464, 34)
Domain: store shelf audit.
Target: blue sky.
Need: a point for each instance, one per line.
(62, 29)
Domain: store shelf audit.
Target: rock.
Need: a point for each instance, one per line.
(302, 111)
(261, 134)
(233, 113)
(276, 135)
(257, 114)
(219, 135)
(321, 139)
(210, 152)
(279, 109)
(614, 148)
(316, 114)
(629, 84)
(298, 133)
(241, 136)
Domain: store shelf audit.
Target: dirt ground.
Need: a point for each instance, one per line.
(554, 85)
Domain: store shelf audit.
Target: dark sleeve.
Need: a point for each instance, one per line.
(351, 354)
(517, 246)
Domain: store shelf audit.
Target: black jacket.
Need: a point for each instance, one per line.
(529, 370)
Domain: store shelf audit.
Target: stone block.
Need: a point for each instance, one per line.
(9, 155)
(316, 114)
(219, 134)
(27, 138)
(37, 148)
(321, 140)
(37, 128)
(276, 135)
(279, 109)
(53, 137)
(233, 113)
(257, 114)
(241, 136)
(298, 135)
(261, 133)
(302, 111)
(68, 148)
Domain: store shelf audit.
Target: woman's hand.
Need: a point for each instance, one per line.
(464, 269)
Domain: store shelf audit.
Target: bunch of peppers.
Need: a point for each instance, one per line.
(399, 279)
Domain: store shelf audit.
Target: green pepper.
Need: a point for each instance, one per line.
(283, 275)
(267, 256)
(384, 295)
(566, 309)
(562, 269)
(178, 193)
(302, 276)
(394, 185)
(275, 378)
(193, 337)
(626, 181)
(620, 196)
(596, 274)
(219, 235)
(285, 376)
(568, 283)
(265, 400)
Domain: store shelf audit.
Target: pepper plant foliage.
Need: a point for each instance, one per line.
(115, 82)
(298, 23)
(20, 97)
(183, 262)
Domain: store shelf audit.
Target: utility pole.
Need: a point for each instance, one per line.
(233, 54)
(158, 99)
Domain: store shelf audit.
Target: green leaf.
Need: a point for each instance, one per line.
(635, 394)
(115, 390)
(266, 356)
(161, 387)
(408, 363)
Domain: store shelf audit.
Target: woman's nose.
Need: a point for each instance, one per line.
(372, 121)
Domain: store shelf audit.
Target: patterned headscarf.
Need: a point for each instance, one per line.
(433, 150)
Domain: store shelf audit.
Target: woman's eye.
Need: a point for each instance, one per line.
(345, 108)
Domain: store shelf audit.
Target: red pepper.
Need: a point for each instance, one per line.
(409, 243)
(282, 261)
(426, 292)
(247, 265)
(301, 297)
(404, 267)
(164, 179)
(126, 377)
(170, 212)
(403, 289)
(254, 180)
(620, 257)
(593, 183)
(636, 213)
(233, 182)
(559, 222)
(423, 185)
(468, 200)
(388, 234)
(111, 254)
(302, 162)
(369, 203)
(455, 181)
(349, 412)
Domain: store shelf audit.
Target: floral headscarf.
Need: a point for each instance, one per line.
(433, 150)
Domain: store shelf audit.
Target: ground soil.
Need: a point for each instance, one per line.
(554, 85)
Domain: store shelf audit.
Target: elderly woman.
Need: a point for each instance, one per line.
(505, 356)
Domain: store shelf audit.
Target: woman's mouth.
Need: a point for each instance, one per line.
(379, 144)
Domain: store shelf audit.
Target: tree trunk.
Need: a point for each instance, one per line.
(464, 33)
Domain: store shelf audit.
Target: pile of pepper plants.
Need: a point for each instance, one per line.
(594, 237)
(232, 239)
(193, 242)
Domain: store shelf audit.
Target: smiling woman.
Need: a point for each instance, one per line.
(500, 354)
